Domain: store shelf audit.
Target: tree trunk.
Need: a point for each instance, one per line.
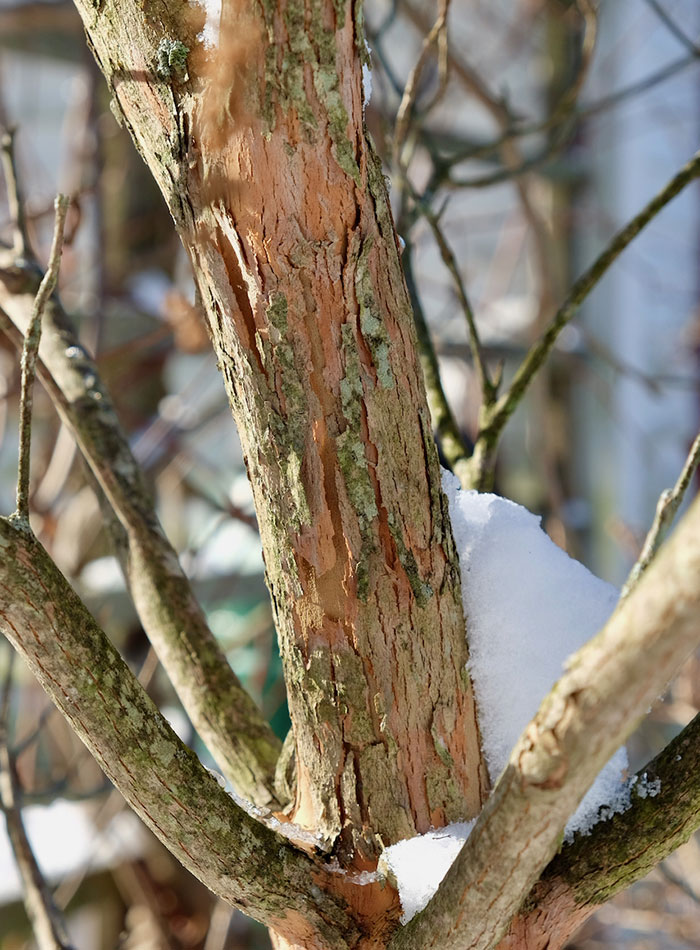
(259, 148)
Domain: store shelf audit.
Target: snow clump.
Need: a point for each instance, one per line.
(528, 607)
(418, 865)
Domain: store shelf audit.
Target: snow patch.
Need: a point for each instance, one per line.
(418, 865)
(528, 607)
(210, 34)
(366, 84)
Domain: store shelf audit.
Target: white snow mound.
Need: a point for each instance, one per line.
(419, 864)
(528, 606)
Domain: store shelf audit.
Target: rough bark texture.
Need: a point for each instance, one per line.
(281, 202)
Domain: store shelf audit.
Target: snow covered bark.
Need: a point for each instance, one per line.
(259, 149)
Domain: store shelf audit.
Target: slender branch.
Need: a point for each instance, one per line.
(668, 504)
(30, 352)
(221, 711)
(227, 719)
(238, 858)
(47, 924)
(488, 388)
(673, 27)
(14, 194)
(453, 446)
(606, 690)
(497, 416)
(573, 119)
(224, 715)
(403, 116)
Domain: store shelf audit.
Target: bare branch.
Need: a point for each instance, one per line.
(591, 869)
(47, 924)
(224, 715)
(668, 504)
(608, 686)
(673, 27)
(221, 711)
(488, 388)
(437, 35)
(453, 446)
(20, 241)
(238, 858)
(498, 414)
(30, 352)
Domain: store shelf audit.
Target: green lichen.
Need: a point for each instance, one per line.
(440, 747)
(171, 59)
(287, 426)
(371, 323)
(353, 464)
(352, 458)
(421, 589)
(309, 45)
(351, 685)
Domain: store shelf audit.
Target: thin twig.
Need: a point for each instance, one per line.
(454, 448)
(47, 924)
(668, 504)
(673, 27)
(30, 351)
(488, 388)
(496, 418)
(403, 116)
(20, 241)
(571, 121)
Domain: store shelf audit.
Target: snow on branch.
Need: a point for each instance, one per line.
(592, 709)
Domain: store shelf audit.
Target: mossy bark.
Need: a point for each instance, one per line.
(281, 202)
(241, 860)
(590, 870)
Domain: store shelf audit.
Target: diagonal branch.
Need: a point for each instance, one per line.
(590, 870)
(241, 860)
(221, 711)
(496, 417)
(452, 443)
(668, 504)
(437, 34)
(607, 688)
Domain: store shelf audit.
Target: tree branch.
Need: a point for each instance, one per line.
(221, 711)
(668, 504)
(454, 448)
(47, 924)
(236, 857)
(497, 416)
(30, 351)
(590, 870)
(597, 703)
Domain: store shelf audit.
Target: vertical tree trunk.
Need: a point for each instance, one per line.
(259, 148)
